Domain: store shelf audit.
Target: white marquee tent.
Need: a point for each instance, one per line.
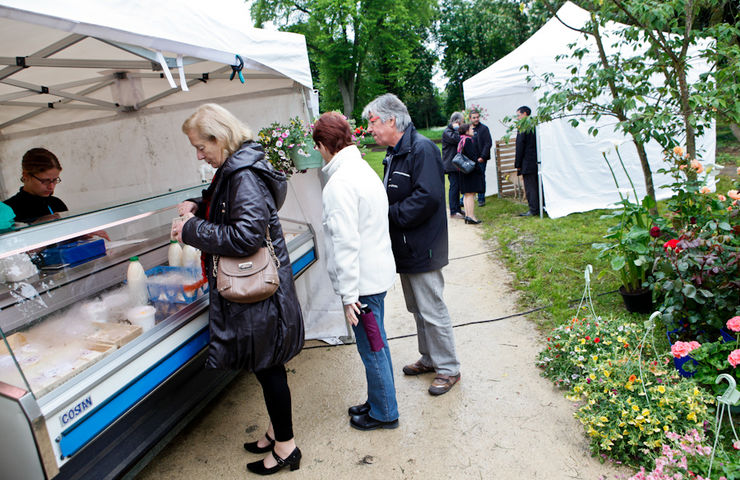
(106, 86)
(574, 175)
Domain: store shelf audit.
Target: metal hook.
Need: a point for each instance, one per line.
(731, 395)
(651, 321)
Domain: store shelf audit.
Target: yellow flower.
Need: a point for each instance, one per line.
(696, 392)
(661, 389)
(603, 419)
(691, 416)
(594, 358)
(645, 412)
(607, 373)
(635, 408)
(666, 428)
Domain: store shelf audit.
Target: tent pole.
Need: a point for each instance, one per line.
(539, 169)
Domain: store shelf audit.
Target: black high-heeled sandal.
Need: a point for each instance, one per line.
(253, 447)
(469, 220)
(293, 460)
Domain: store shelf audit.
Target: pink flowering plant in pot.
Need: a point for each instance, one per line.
(717, 357)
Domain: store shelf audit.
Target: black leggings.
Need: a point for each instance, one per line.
(274, 383)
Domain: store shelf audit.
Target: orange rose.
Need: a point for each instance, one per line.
(721, 197)
(733, 195)
(696, 165)
(705, 190)
(678, 150)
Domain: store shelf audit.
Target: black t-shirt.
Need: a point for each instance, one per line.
(28, 207)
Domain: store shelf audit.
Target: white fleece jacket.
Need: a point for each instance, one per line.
(355, 219)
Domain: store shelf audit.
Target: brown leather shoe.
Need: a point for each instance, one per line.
(443, 384)
(417, 368)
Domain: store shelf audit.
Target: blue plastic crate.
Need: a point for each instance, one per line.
(74, 253)
(159, 292)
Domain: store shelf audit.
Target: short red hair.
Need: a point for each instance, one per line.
(332, 131)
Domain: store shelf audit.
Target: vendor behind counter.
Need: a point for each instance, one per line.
(40, 176)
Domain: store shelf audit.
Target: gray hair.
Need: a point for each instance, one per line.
(456, 117)
(389, 106)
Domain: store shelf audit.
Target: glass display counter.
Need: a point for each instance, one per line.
(83, 365)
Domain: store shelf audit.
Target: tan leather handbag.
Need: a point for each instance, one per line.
(248, 279)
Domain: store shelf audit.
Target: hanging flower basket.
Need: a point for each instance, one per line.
(307, 156)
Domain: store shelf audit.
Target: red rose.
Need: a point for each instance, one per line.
(655, 232)
(670, 244)
(596, 340)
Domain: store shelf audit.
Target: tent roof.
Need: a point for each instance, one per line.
(69, 56)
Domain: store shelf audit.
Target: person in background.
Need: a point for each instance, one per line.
(40, 171)
(450, 139)
(414, 181)
(473, 182)
(232, 219)
(483, 143)
(525, 162)
(359, 259)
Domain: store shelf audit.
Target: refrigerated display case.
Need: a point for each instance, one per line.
(89, 385)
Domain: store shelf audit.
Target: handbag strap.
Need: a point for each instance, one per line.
(270, 248)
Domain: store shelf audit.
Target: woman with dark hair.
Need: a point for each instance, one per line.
(359, 260)
(236, 216)
(470, 183)
(40, 171)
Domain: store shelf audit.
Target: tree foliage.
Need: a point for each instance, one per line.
(358, 48)
(473, 34)
(655, 42)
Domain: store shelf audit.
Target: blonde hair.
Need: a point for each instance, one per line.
(213, 122)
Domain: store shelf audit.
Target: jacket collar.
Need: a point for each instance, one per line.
(341, 157)
(404, 145)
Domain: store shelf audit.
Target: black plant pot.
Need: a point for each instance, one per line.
(640, 301)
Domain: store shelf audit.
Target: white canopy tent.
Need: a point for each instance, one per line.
(574, 175)
(107, 85)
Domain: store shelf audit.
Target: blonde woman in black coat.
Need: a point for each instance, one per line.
(231, 219)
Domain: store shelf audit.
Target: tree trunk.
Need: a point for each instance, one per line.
(735, 129)
(646, 173)
(347, 89)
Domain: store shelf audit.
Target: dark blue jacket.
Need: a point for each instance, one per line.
(450, 139)
(483, 142)
(416, 198)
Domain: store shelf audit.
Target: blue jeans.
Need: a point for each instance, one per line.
(482, 196)
(454, 194)
(381, 388)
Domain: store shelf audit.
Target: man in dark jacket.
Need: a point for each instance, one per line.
(414, 180)
(450, 139)
(483, 144)
(525, 162)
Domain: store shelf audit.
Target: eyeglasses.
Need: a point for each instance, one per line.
(47, 181)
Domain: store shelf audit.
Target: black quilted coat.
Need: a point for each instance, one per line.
(245, 196)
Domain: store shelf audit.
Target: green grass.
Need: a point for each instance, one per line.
(434, 133)
(548, 256)
(728, 148)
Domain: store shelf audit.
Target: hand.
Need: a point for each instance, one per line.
(186, 207)
(101, 234)
(480, 160)
(350, 313)
(177, 226)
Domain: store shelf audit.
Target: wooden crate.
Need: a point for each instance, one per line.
(509, 184)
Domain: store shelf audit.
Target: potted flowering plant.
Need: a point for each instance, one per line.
(695, 279)
(720, 356)
(630, 246)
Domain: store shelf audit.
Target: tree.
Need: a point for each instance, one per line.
(345, 36)
(659, 33)
(473, 34)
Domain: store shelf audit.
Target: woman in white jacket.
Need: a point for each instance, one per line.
(359, 259)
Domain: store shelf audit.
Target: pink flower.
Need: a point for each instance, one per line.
(733, 194)
(721, 197)
(681, 349)
(736, 445)
(286, 133)
(705, 190)
(734, 358)
(734, 324)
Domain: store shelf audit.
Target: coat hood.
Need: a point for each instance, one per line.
(251, 155)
